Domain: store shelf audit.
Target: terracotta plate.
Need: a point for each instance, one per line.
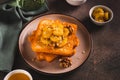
(53, 67)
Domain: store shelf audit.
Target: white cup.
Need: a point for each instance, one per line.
(18, 71)
(76, 2)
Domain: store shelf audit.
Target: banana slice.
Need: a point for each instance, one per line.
(54, 38)
(66, 32)
(45, 41)
(47, 32)
(63, 42)
(58, 31)
(106, 16)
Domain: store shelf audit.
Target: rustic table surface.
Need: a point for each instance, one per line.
(104, 60)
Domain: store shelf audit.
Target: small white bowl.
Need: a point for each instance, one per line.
(105, 8)
(18, 71)
(75, 2)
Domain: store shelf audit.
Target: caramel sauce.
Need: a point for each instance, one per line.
(19, 76)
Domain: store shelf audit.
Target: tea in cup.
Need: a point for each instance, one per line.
(18, 74)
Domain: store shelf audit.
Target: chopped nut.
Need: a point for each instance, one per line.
(83, 52)
(65, 62)
(33, 59)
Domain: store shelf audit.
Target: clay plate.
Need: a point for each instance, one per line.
(53, 67)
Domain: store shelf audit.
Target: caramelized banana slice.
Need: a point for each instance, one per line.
(66, 32)
(98, 10)
(45, 41)
(54, 38)
(58, 31)
(63, 42)
(47, 32)
(106, 15)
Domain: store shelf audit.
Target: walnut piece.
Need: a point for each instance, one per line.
(65, 62)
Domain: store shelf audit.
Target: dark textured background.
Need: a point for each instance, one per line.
(104, 60)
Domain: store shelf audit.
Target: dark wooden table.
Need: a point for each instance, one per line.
(104, 60)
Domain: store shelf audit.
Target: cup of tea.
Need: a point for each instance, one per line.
(18, 74)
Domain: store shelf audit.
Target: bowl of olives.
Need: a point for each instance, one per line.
(100, 14)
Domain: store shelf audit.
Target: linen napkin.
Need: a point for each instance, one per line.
(12, 19)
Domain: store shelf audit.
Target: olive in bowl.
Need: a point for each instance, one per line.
(100, 14)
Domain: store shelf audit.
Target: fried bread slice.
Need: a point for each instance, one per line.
(45, 56)
(67, 50)
(55, 37)
(41, 56)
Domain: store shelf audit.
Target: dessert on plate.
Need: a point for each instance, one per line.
(54, 38)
